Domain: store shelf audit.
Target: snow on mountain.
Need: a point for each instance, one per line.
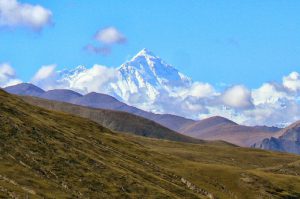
(146, 76)
(145, 81)
(142, 81)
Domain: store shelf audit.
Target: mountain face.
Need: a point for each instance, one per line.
(98, 100)
(219, 128)
(287, 140)
(62, 95)
(146, 76)
(48, 154)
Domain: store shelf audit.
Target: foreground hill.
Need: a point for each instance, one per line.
(114, 120)
(98, 100)
(219, 128)
(287, 140)
(46, 154)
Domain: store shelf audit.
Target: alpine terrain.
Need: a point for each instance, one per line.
(48, 154)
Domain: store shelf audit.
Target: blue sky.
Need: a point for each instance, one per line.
(231, 42)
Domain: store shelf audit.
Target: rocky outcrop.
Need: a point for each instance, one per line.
(289, 141)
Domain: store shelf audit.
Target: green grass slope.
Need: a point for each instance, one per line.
(47, 154)
(114, 120)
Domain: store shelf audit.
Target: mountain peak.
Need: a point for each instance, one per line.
(149, 74)
(25, 89)
(144, 53)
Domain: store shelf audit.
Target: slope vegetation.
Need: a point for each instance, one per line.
(47, 154)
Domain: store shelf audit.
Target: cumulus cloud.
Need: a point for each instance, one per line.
(45, 77)
(106, 38)
(95, 79)
(110, 35)
(237, 97)
(198, 90)
(292, 81)
(7, 75)
(44, 72)
(268, 94)
(14, 14)
(81, 79)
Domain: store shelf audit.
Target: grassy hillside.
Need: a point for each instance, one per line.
(46, 154)
(114, 120)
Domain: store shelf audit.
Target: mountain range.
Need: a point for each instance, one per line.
(145, 79)
(97, 100)
(214, 128)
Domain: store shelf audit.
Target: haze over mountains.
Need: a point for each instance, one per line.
(215, 128)
(219, 128)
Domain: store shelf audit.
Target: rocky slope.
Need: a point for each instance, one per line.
(287, 140)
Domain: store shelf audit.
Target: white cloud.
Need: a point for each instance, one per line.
(80, 79)
(268, 94)
(7, 75)
(14, 14)
(44, 72)
(106, 37)
(223, 111)
(110, 35)
(93, 79)
(45, 77)
(292, 81)
(237, 97)
(279, 114)
(198, 90)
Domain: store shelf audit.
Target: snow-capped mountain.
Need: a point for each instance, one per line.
(145, 81)
(146, 76)
(140, 81)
